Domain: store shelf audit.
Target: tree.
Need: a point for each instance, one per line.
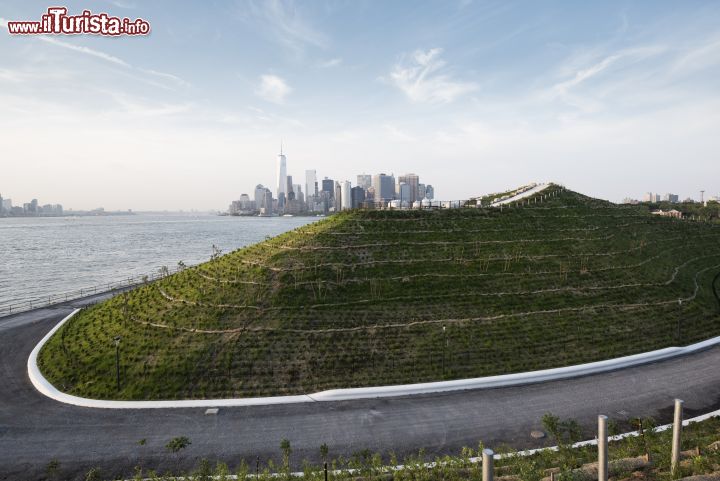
(565, 432)
(93, 475)
(125, 306)
(216, 253)
(324, 452)
(53, 468)
(138, 468)
(204, 471)
(286, 449)
(177, 444)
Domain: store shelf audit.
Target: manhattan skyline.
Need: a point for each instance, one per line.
(608, 99)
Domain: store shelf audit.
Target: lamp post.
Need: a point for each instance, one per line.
(445, 345)
(679, 318)
(117, 360)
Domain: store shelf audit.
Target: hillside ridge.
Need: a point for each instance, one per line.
(375, 297)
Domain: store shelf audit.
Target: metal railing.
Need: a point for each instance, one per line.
(53, 299)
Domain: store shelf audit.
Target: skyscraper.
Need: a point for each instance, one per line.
(357, 197)
(310, 181)
(338, 196)
(404, 194)
(260, 197)
(346, 195)
(364, 180)
(289, 193)
(429, 192)
(281, 174)
(384, 186)
(297, 189)
(413, 182)
(328, 185)
(267, 208)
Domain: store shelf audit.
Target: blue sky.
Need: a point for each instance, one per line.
(610, 98)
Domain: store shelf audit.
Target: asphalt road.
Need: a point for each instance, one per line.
(35, 430)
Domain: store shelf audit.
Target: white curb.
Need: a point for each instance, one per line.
(505, 380)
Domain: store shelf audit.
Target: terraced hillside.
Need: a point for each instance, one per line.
(386, 297)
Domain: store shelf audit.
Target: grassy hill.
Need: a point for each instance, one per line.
(385, 297)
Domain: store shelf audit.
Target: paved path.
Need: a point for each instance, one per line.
(521, 195)
(35, 429)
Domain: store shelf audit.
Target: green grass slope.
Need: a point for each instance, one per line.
(386, 297)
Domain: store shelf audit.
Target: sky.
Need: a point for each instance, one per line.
(611, 99)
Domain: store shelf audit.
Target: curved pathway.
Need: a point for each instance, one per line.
(35, 429)
(526, 193)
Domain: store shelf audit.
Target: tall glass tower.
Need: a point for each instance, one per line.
(310, 181)
(281, 174)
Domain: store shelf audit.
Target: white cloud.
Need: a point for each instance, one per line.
(631, 55)
(423, 81)
(84, 50)
(173, 79)
(121, 4)
(286, 24)
(14, 75)
(585, 74)
(333, 62)
(273, 89)
(397, 134)
(595, 80)
(166, 76)
(138, 107)
(699, 58)
(76, 48)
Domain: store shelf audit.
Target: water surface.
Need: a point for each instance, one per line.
(43, 257)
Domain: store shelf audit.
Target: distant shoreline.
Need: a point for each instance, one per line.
(275, 216)
(73, 214)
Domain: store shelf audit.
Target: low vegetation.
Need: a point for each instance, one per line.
(644, 457)
(386, 297)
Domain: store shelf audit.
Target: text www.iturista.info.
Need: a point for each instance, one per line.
(57, 21)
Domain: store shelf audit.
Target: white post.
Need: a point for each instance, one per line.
(487, 465)
(677, 430)
(602, 443)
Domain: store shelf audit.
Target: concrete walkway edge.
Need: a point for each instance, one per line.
(505, 380)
